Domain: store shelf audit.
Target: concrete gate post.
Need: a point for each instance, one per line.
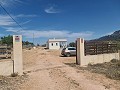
(17, 54)
(80, 51)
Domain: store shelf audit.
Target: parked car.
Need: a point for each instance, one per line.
(69, 51)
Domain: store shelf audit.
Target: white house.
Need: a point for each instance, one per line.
(56, 43)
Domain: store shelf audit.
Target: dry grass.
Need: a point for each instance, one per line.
(110, 69)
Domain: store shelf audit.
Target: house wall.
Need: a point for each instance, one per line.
(52, 45)
(6, 67)
(61, 43)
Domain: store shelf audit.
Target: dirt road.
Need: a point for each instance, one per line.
(47, 70)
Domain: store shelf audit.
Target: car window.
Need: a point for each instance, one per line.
(71, 49)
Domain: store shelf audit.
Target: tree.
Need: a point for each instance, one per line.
(72, 44)
(44, 45)
(38, 45)
(7, 40)
(27, 43)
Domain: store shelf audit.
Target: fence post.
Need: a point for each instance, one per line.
(80, 51)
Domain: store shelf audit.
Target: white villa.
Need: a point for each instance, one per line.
(56, 43)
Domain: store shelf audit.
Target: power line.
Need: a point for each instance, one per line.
(11, 16)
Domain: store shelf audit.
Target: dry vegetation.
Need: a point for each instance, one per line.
(110, 69)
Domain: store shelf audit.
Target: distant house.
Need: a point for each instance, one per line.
(56, 43)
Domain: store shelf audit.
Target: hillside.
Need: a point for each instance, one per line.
(113, 37)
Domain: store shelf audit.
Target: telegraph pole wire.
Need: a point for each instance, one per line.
(11, 16)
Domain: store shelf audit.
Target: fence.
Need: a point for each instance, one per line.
(95, 52)
(94, 48)
(5, 52)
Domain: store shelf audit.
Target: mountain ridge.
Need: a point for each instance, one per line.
(113, 37)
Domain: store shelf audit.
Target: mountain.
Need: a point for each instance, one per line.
(113, 37)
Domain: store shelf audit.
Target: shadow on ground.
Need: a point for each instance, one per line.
(65, 56)
(71, 64)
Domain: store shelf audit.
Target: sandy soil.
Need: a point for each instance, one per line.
(47, 70)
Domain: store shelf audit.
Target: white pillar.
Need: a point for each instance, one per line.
(80, 51)
(17, 54)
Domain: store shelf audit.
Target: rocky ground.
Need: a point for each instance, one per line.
(47, 70)
(12, 83)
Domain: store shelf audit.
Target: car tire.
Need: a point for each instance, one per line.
(68, 55)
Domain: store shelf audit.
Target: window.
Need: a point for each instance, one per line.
(52, 44)
(71, 49)
(56, 44)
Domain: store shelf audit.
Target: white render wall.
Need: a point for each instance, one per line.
(6, 67)
(54, 45)
(61, 43)
(100, 58)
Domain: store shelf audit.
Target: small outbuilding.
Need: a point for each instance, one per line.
(56, 43)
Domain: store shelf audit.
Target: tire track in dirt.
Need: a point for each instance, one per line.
(62, 82)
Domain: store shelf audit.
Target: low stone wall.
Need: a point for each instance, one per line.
(101, 58)
(6, 67)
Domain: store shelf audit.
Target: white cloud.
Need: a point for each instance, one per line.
(51, 10)
(6, 21)
(106, 34)
(109, 33)
(25, 22)
(8, 3)
(81, 34)
(4, 2)
(14, 30)
(52, 33)
(28, 16)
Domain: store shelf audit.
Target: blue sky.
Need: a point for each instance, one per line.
(68, 19)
